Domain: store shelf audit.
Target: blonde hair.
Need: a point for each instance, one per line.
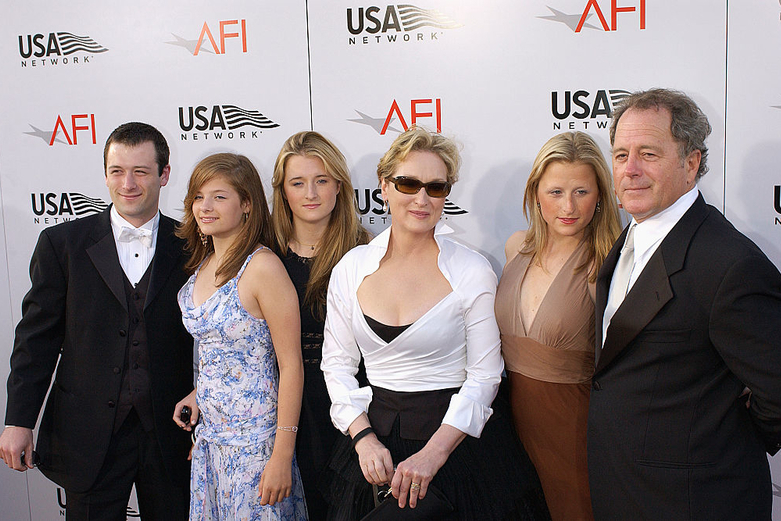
(418, 139)
(605, 226)
(240, 173)
(343, 233)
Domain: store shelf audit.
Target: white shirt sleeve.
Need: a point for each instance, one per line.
(341, 355)
(470, 408)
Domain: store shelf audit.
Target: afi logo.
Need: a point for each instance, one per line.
(418, 109)
(777, 199)
(78, 123)
(57, 44)
(577, 22)
(614, 10)
(224, 33)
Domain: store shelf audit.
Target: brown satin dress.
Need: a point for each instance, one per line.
(550, 364)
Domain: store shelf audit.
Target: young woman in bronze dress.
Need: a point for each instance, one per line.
(315, 223)
(545, 312)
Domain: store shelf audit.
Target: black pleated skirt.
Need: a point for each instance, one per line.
(486, 478)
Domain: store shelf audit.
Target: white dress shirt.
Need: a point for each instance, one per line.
(648, 235)
(134, 255)
(455, 344)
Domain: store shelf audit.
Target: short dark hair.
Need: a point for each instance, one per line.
(689, 125)
(133, 134)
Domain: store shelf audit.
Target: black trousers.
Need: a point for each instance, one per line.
(133, 457)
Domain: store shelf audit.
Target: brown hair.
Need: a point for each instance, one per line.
(241, 174)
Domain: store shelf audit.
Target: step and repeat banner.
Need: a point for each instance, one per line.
(499, 76)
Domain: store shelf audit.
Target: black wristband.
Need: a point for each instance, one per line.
(365, 432)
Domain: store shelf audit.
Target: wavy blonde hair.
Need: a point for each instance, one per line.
(605, 226)
(343, 233)
(418, 139)
(241, 174)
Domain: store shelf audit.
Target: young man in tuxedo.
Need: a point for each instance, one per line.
(102, 309)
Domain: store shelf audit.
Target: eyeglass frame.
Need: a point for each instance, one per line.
(395, 180)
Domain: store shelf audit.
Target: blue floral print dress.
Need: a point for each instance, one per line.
(237, 395)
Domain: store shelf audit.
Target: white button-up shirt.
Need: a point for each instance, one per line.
(455, 344)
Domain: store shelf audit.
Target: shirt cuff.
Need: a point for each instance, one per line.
(467, 415)
(346, 407)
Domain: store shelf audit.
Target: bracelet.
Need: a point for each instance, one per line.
(288, 429)
(365, 432)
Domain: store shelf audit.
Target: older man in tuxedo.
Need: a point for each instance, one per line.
(102, 309)
(686, 396)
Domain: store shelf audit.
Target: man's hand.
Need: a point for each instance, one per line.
(13, 442)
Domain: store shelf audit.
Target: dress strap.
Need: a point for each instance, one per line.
(246, 262)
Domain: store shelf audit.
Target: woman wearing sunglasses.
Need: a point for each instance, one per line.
(315, 224)
(417, 307)
(545, 311)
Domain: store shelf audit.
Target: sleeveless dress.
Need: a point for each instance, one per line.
(237, 395)
(316, 434)
(550, 363)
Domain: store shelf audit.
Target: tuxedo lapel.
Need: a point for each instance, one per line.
(104, 257)
(648, 295)
(652, 289)
(167, 254)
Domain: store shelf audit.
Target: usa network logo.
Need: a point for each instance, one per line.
(423, 111)
(396, 24)
(577, 109)
(67, 130)
(633, 12)
(52, 208)
(217, 38)
(57, 49)
(370, 207)
(221, 122)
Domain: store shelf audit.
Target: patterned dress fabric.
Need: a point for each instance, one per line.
(237, 395)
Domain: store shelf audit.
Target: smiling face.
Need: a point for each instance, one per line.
(310, 191)
(133, 181)
(218, 209)
(568, 195)
(648, 172)
(416, 213)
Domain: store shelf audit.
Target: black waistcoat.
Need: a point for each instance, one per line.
(135, 392)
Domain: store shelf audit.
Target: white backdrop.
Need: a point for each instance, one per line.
(243, 75)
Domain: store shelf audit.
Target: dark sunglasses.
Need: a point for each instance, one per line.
(410, 186)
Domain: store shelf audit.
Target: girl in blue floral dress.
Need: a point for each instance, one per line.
(241, 307)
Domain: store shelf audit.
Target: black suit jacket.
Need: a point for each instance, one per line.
(76, 312)
(669, 435)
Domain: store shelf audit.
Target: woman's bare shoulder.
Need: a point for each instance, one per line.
(513, 245)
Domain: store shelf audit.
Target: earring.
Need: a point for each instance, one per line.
(538, 206)
(385, 206)
(599, 206)
(246, 216)
(204, 239)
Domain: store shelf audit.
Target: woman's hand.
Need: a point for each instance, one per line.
(190, 402)
(276, 481)
(375, 460)
(414, 474)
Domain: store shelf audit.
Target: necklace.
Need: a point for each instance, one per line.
(311, 246)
